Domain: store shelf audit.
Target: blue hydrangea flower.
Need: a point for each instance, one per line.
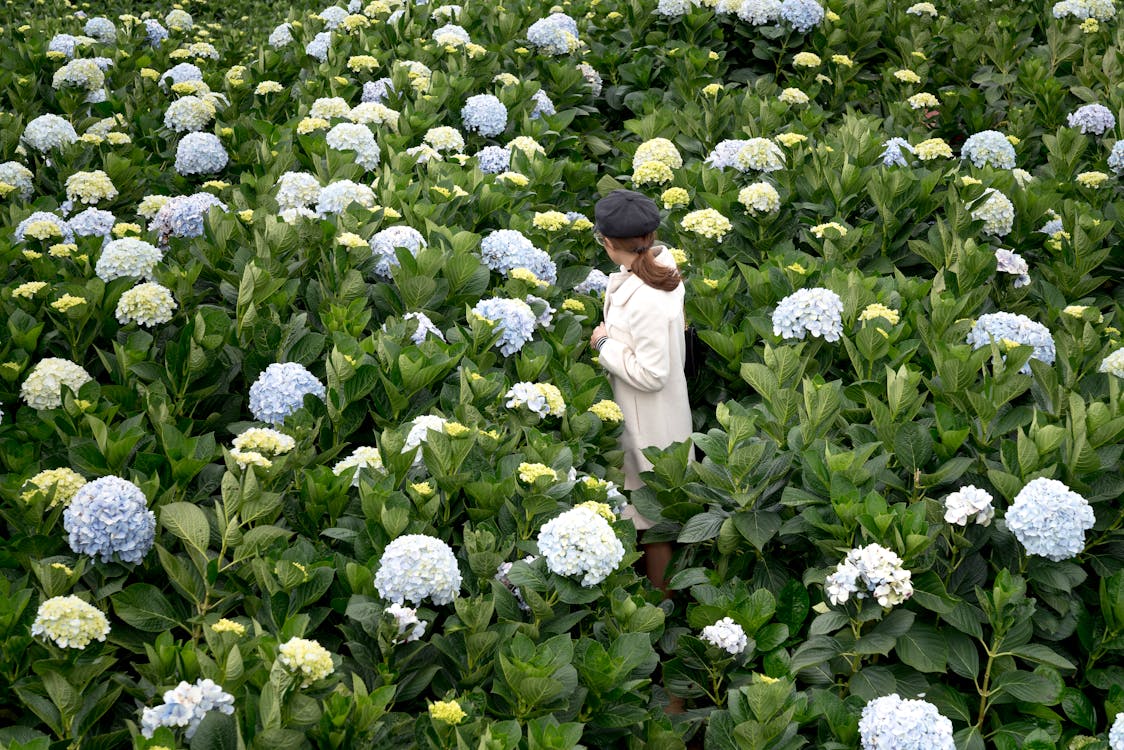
(484, 114)
(425, 327)
(385, 241)
(319, 46)
(1092, 118)
(333, 16)
(595, 283)
(892, 155)
(181, 74)
(543, 105)
(506, 249)
(280, 390)
(102, 29)
(989, 148)
(546, 317)
(182, 216)
(155, 32)
(758, 12)
(64, 227)
(1116, 158)
(1049, 519)
(92, 222)
(200, 153)
(514, 320)
(557, 34)
(281, 36)
(416, 567)
(1003, 327)
(816, 311)
(725, 154)
(803, 15)
(1052, 227)
(493, 159)
(377, 91)
(1116, 733)
(109, 518)
(64, 43)
(890, 723)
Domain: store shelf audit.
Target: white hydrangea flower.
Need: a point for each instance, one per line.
(43, 387)
(264, 440)
(1113, 364)
(580, 542)
(127, 256)
(307, 659)
(417, 567)
(362, 459)
(70, 622)
(996, 211)
(410, 628)
(816, 311)
(726, 635)
(872, 571)
(890, 723)
(1116, 733)
(146, 305)
(966, 502)
(1050, 520)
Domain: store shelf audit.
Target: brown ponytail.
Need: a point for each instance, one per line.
(656, 275)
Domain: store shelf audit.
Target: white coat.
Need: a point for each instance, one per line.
(644, 358)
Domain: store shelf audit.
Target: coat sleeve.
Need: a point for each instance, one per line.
(647, 366)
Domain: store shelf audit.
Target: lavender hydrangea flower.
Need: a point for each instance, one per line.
(892, 155)
(182, 216)
(803, 15)
(814, 311)
(92, 222)
(506, 249)
(377, 91)
(185, 706)
(280, 390)
(1050, 520)
(1011, 262)
(109, 518)
(1092, 118)
(989, 148)
(101, 29)
(493, 159)
(484, 114)
(319, 46)
(385, 241)
(1008, 329)
(200, 153)
(543, 105)
(1116, 158)
(595, 282)
(890, 723)
(514, 320)
(155, 32)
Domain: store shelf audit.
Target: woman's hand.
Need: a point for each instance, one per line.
(598, 332)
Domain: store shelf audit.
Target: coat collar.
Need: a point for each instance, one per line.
(623, 284)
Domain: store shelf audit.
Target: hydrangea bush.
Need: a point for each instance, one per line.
(303, 443)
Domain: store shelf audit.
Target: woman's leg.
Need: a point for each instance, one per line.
(657, 556)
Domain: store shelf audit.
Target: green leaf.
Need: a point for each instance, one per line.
(1079, 709)
(143, 606)
(757, 526)
(923, 648)
(913, 446)
(1027, 686)
(1040, 654)
(701, 527)
(188, 522)
(216, 731)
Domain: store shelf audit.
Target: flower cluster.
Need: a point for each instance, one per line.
(447, 712)
(758, 154)
(580, 542)
(70, 622)
(726, 635)
(996, 211)
(384, 242)
(803, 15)
(1113, 364)
(280, 390)
(200, 153)
(410, 628)
(529, 473)
(182, 216)
(484, 114)
(1007, 329)
(890, 723)
(185, 706)
(147, 305)
(506, 249)
(707, 222)
(1049, 519)
(514, 320)
(189, 114)
(416, 567)
(966, 502)
(42, 225)
(816, 311)
(608, 411)
(877, 310)
(557, 34)
(543, 399)
(43, 387)
(59, 484)
(493, 159)
(660, 150)
(989, 148)
(48, 132)
(1116, 733)
(350, 136)
(1092, 118)
(109, 518)
(872, 571)
(306, 659)
(363, 459)
(760, 198)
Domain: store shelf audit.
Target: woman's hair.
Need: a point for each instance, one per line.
(657, 275)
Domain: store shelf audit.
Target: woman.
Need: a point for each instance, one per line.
(641, 345)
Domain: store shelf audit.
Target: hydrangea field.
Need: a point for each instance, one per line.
(303, 443)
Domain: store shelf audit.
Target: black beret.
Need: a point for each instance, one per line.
(626, 213)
